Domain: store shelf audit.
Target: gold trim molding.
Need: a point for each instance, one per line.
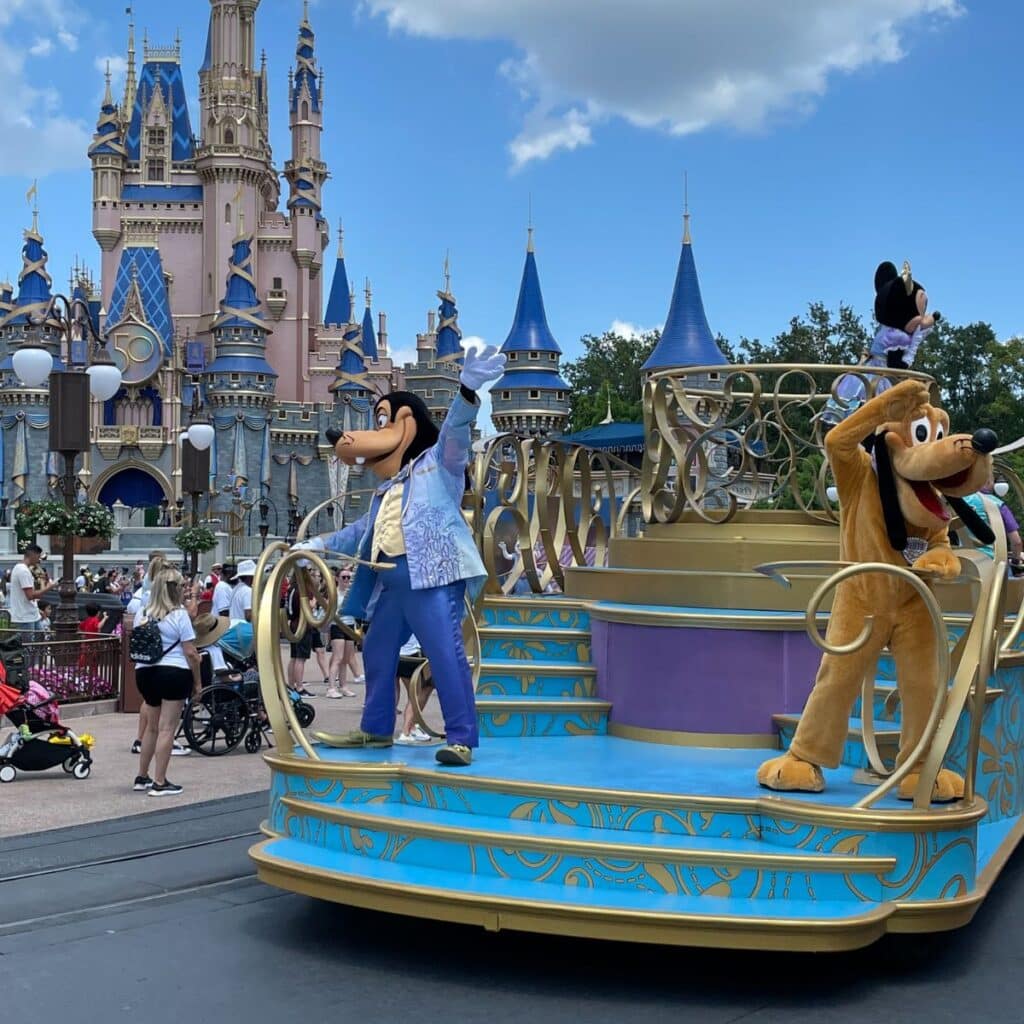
(734, 741)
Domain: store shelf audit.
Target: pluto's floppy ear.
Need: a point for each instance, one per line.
(895, 526)
(979, 528)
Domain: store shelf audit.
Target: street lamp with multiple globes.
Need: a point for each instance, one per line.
(89, 371)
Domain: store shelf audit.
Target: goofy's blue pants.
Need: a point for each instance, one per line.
(435, 616)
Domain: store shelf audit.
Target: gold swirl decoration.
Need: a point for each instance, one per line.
(549, 501)
(712, 450)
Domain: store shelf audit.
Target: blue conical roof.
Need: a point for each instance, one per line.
(33, 281)
(687, 339)
(339, 302)
(369, 335)
(305, 67)
(449, 335)
(530, 331)
(240, 306)
(350, 374)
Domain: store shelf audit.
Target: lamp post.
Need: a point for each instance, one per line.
(195, 462)
(89, 371)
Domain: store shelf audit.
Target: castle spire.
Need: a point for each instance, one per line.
(449, 334)
(339, 302)
(369, 336)
(686, 339)
(129, 78)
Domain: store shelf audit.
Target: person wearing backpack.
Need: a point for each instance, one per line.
(167, 671)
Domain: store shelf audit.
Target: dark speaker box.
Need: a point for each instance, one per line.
(195, 469)
(69, 412)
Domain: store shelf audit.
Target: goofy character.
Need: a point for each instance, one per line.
(415, 525)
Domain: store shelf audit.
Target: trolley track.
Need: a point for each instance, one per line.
(109, 868)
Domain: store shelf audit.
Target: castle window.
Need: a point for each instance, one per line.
(229, 137)
(227, 213)
(714, 375)
(552, 356)
(305, 415)
(282, 414)
(236, 378)
(278, 284)
(534, 395)
(236, 332)
(513, 357)
(261, 378)
(154, 169)
(535, 355)
(305, 110)
(561, 395)
(506, 396)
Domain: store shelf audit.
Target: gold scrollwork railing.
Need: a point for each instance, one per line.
(556, 504)
(712, 450)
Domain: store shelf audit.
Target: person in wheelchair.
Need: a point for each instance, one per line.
(214, 667)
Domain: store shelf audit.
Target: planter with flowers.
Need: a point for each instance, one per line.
(195, 540)
(91, 525)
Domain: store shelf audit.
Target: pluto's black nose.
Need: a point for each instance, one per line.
(984, 441)
(334, 436)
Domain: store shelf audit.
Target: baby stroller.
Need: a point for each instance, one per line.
(229, 709)
(40, 741)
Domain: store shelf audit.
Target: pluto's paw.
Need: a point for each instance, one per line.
(948, 787)
(788, 772)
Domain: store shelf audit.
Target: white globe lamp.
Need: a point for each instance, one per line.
(201, 436)
(104, 380)
(832, 493)
(32, 365)
(1002, 489)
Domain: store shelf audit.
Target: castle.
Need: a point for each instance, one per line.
(211, 295)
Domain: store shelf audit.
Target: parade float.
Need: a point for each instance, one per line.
(666, 644)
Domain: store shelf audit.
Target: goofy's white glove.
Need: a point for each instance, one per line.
(316, 544)
(481, 367)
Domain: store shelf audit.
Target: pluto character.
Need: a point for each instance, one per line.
(893, 508)
(415, 525)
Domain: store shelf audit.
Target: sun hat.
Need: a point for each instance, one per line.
(246, 568)
(209, 629)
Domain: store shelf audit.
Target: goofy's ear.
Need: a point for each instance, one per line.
(978, 527)
(895, 525)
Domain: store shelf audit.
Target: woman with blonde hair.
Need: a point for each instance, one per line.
(157, 561)
(165, 684)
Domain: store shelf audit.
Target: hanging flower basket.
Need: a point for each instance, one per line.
(197, 539)
(51, 518)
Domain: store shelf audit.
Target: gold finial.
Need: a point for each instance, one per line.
(529, 223)
(305, 12)
(447, 274)
(108, 99)
(369, 293)
(686, 208)
(609, 418)
(341, 240)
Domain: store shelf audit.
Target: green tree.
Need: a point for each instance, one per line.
(818, 337)
(610, 364)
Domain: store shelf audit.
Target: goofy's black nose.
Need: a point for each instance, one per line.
(984, 441)
(334, 436)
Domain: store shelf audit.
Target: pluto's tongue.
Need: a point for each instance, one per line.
(927, 495)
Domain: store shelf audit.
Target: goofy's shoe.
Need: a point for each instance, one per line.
(356, 738)
(455, 754)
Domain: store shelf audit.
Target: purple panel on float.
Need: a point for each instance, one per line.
(701, 680)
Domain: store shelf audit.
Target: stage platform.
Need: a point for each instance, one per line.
(614, 795)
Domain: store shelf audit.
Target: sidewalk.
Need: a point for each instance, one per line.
(37, 801)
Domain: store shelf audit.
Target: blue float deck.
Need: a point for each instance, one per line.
(612, 763)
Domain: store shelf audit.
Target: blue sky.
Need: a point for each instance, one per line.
(818, 139)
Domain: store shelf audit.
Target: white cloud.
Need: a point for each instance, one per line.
(627, 329)
(676, 65)
(38, 136)
(41, 48)
(118, 69)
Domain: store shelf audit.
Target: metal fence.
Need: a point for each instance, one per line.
(83, 669)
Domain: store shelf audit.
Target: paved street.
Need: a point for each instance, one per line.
(98, 921)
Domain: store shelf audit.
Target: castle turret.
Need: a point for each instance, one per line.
(240, 374)
(339, 302)
(350, 377)
(531, 397)
(449, 334)
(107, 155)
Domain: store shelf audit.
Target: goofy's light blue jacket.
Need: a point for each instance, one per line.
(439, 545)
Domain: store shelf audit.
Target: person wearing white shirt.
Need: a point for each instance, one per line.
(166, 683)
(240, 608)
(24, 594)
(220, 603)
